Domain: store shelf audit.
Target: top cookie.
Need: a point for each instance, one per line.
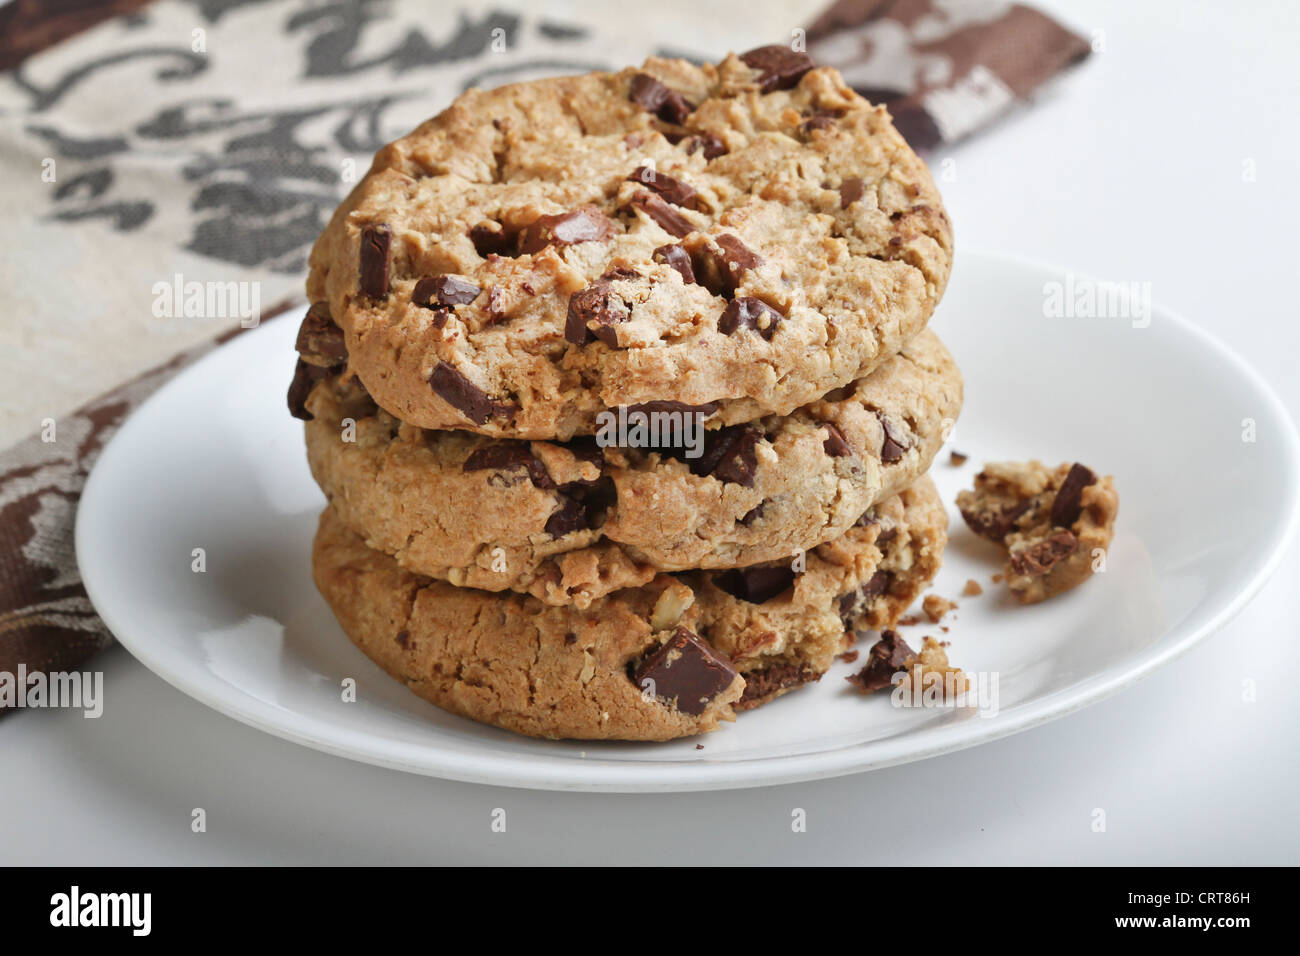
(743, 236)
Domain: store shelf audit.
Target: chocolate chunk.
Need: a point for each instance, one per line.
(836, 445)
(712, 145)
(851, 190)
(729, 455)
(749, 313)
(767, 683)
(756, 585)
(571, 517)
(673, 190)
(320, 341)
(686, 672)
(818, 119)
(375, 240)
(463, 395)
(1068, 504)
(722, 270)
(676, 257)
(653, 97)
(778, 66)
(1040, 558)
(885, 659)
(595, 310)
(665, 215)
(858, 600)
(753, 514)
(509, 456)
(403, 636)
(584, 224)
(433, 291)
(891, 449)
(840, 394)
(305, 377)
(998, 521)
(885, 537)
(957, 459)
(493, 242)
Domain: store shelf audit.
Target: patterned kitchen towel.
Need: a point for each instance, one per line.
(204, 143)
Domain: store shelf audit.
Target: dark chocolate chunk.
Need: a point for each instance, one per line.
(594, 311)
(891, 449)
(1042, 557)
(463, 395)
(320, 341)
(669, 218)
(778, 66)
(818, 119)
(676, 257)
(857, 601)
(761, 686)
(403, 636)
(493, 242)
(433, 291)
(509, 456)
(375, 241)
(584, 224)
(711, 143)
(749, 313)
(731, 455)
(571, 517)
(722, 270)
(836, 444)
(685, 671)
(851, 190)
(653, 97)
(753, 514)
(305, 377)
(673, 190)
(756, 585)
(957, 458)
(1068, 504)
(998, 521)
(885, 659)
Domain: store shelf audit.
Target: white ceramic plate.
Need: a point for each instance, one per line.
(213, 461)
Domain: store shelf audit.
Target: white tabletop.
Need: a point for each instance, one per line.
(1132, 169)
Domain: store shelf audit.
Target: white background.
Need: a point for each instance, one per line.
(1130, 168)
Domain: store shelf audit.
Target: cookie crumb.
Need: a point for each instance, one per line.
(972, 588)
(699, 746)
(909, 620)
(848, 657)
(997, 579)
(957, 459)
(930, 668)
(935, 607)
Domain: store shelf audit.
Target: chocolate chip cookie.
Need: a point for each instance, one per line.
(1056, 524)
(740, 237)
(670, 658)
(569, 521)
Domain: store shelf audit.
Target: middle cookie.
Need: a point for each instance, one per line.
(571, 521)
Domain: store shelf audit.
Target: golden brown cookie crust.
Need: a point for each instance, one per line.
(560, 671)
(854, 247)
(413, 493)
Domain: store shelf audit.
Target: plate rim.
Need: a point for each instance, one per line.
(565, 773)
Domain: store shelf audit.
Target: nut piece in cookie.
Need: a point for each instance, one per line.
(1054, 523)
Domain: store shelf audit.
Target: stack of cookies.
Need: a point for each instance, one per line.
(620, 390)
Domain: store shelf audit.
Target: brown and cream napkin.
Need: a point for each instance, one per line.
(209, 140)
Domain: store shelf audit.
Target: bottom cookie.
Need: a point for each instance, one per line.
(671, 658)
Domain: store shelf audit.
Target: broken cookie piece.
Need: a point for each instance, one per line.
(928, 674)
(935, 607)
(1056, 524)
